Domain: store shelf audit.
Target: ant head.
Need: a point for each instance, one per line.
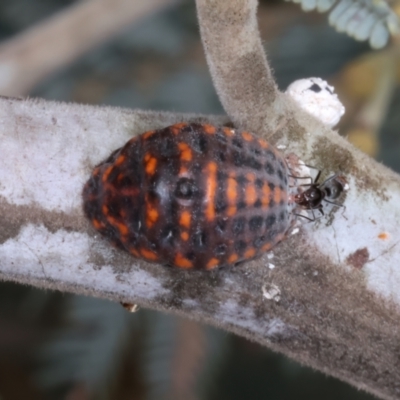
(329, 190)
(311, 198)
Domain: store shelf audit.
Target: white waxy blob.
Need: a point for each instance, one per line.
(318, 98)
(271, 292)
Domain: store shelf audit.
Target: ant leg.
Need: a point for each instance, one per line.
(317, 177)
(332, 177)
(300, 177)
(303, 216)
(334, 203)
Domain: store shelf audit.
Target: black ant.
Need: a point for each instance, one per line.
(317, 193)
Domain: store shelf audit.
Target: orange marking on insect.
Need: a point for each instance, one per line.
(212, 263)
(232, 258)
(250, 191)
(176, 129)
(130, 191)
(266, 194)
(97, 224)
(96, 171)
(148, 254)
(134, 139)
(247, 136)
(146, 135)
(182, 262)
(209, 129)
(184, 236)
(231, 210)
(263, 143)
(106, 173)
(120, 160)
(151, 213)
(228, 131)
(186, 151)
(151, 164)
(277, 195)
(104, 210)
(123, 229)
(211, 187)
(183, 170)
(134, 252)
(250, 253)
(266, 247)
(184, 219)
(231, 193)
(383, 236)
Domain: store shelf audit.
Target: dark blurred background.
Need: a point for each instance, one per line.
(61, 346)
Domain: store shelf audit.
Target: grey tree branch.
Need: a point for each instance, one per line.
(237, 62)
(331, 301)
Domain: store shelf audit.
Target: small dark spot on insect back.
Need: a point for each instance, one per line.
(199, 239)
(220, 226)
(221, 136)
(220, 205)
(252, 163)
(271, 234)
(269, 168)
(315, 88)
(256, 223)
(258, 242)
(199, 143)
(239, 159)
(152, 195)
(237, 143)
(190, 255)
(241, 180)
(282, 215)
(126, 181)
(220, 250)
(168, 234)
(240, 246)
(238, 225)
(167, 148)
(221, 176)
(185, 188)
(220, 156)
(270, 155)
(280, 174)
(255, 151)
(241, 205)
(271, 186)
(259, 183)
(258, 203)
(270, 220)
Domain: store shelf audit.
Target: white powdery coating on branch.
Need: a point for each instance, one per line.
(370, 245)
(44, 166)
(272, 328)
(315, 96)
(42, 254)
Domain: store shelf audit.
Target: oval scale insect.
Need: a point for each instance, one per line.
(193, 196)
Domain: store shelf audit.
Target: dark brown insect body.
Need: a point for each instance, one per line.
(329, 190)
(192, 196)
